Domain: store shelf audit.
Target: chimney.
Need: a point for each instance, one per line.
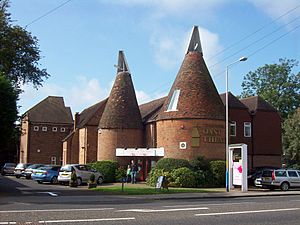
(76, 119)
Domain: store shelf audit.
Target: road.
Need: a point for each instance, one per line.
(30, 203)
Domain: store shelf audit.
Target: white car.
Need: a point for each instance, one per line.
(83, 173)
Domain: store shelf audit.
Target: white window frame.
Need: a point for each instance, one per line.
(247, 125)
(36, 128)
(54, 129)
(53, 159)
(232, 124)
(174, 101)
(44, 129)
(62, 129)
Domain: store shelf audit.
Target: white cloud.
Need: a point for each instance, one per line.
(277, 8)
(83, 93)
(170, 45)
(143, 97)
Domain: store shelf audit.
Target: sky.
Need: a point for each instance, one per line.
(79, 43)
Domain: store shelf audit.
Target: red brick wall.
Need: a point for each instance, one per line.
(267, 133)
(48, 143)
(92, 140)
(110, 139)
(74, 148)
(240, 116)
(171, 132)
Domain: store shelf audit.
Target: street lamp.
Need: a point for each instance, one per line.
(228, 179)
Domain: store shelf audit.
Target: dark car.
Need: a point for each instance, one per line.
(8, 168)
(30, 169)
(20, 169)
(46, 174)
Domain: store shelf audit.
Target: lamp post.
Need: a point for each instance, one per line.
(228, 178)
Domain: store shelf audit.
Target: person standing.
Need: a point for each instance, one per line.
(128, 173)
(134, 171)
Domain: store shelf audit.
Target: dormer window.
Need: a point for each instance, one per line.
(174, 101)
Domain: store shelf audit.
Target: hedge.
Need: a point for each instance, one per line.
(107, 168)
(169, 164)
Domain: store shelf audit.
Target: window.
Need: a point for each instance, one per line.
(54, 129)
(292, 174)
(174, 101)
(233, 128)
(280, 173)
(53, 160)
(44, 128)
(62, 129)
(247, 129)
(195, 137)
(36, 128)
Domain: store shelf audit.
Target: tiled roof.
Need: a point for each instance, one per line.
(233, 102)
(150, 110)
(51, 110)
(92, 115)
(198, 96)
(255, 103)
(122, 109)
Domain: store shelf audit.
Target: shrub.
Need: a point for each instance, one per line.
(120, 173)
(153, 175)
(169, 164)
(92, 178)
(183, 177)
(218, 170)
(107, 168)
(200, 163)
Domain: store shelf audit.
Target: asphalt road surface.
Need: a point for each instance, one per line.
(25, 202)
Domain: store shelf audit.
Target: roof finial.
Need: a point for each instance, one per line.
(195, 43)
(122, 64)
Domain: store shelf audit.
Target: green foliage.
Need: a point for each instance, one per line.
(169, 164)
(19, 52)
(153, 175)
(218, 170)
(73, 177)
(183, 177)
(120, 173)
(107, 168)
(200, 163)
(8, 112)
(276, 84)
(291, 138)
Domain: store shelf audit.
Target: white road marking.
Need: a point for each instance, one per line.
(161, 210)
(53, 210)
(49, 193)
(73, 221)
(246, 212)
(234, 203)
(87, 220)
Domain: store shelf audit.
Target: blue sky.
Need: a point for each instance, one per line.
(79, 42)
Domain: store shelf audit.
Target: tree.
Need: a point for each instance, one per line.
(19, 52)
(291, 138)
(8, 115)
(276, 84)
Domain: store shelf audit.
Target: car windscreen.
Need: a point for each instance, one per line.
(10, 164)
(66, 168)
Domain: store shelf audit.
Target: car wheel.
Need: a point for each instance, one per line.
(39, 182)
(100, 180)
(284, 186)
(18, 176)
(54, 180)
(79, 181)
(28, 177)
(3, 173)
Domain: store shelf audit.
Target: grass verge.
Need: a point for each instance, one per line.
(151, 190)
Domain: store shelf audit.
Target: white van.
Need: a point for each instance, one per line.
(83, 173)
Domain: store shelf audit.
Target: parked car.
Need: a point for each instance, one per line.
(48, 173)
(8, 168)
(30, 169)
(281, 178)
(83, 173)
(20, 169)
(255, 174)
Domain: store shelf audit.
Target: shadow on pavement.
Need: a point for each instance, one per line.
(9, 186)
